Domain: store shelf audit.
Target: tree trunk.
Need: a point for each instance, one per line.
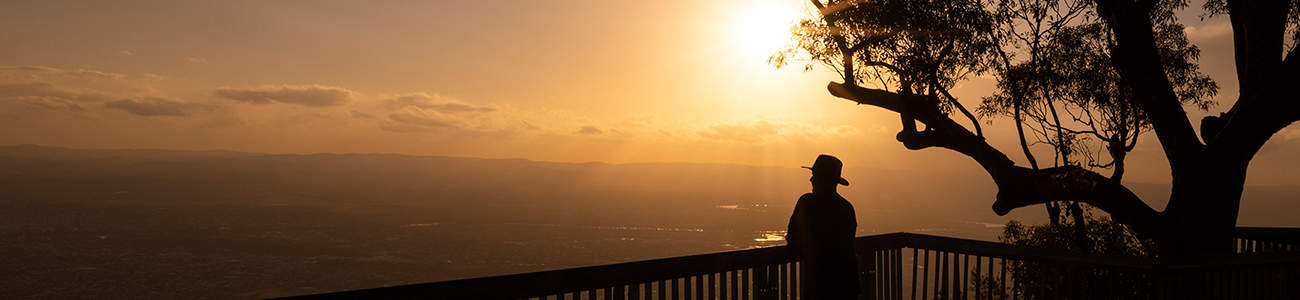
(1203, 207)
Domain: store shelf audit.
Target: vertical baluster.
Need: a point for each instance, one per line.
(792, 286)
(1010, 286)
(978, 278)
(666, 289)
(888, 273)
(751, 283)
(895, 263)
(951, 262)
(681, 288)
(915, 254)
(925, 276)
(734, 283)
(896, 276)
(709, 280)
(988, 271)
(662, 289)
(942, 280)
(879, 274)
(737, 284)
(965, 275)
(724, 290)
(715, 287)
(730, 290)
(778, 286)
(991, 277)
(689, 287)
(674, 289)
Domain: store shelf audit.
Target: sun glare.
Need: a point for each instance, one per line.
(760, 28)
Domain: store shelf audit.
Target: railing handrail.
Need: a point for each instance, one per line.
(524, 285)
(597, 277)
(1074, 258)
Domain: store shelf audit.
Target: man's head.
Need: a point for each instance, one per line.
(827, 170)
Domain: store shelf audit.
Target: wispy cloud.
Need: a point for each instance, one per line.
(434, 102)
(424, 120)
(39, 92)
(307, 95)
(151, 106)
(588, 129)
(48, 73)
(761, 129)
(49, 91)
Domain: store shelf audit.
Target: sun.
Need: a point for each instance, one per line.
(762, 27)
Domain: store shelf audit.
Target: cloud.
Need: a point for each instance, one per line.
(590, 130)
(760, 129)
(36, 92)
(49, 91)
(307, 95)
(151, 106)
(51, 104)
(360, 115)
(434, 102)
(1209, 31)
(429, 120)
(39, 72)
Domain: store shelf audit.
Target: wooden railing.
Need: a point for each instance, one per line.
(948, 268)
(894, 266)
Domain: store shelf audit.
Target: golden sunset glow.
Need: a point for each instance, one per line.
(253, 149)
(570, 81)
(762, 27)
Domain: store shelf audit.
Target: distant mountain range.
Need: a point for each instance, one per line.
(393, 178)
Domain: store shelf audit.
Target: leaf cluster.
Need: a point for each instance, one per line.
(1069, 73)
(1105, 236)
(912, 46)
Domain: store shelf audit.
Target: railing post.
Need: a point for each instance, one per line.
(867, 275)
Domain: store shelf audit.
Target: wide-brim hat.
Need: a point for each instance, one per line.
(829, 167)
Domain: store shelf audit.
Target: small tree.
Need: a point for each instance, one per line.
(1081, 76)
(1037, 280)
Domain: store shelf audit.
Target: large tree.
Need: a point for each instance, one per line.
(1110, 68)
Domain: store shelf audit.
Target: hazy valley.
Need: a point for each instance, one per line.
(157, 224)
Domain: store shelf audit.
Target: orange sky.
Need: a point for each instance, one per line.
(565, 80)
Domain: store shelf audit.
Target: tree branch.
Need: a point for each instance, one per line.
(941, 131)
(1266, 103)
(1023, 187)
(1136, 57)
(1018, 186)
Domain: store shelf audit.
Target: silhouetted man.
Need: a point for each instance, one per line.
(821, 230)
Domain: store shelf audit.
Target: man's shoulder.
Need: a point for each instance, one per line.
(835, 196)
